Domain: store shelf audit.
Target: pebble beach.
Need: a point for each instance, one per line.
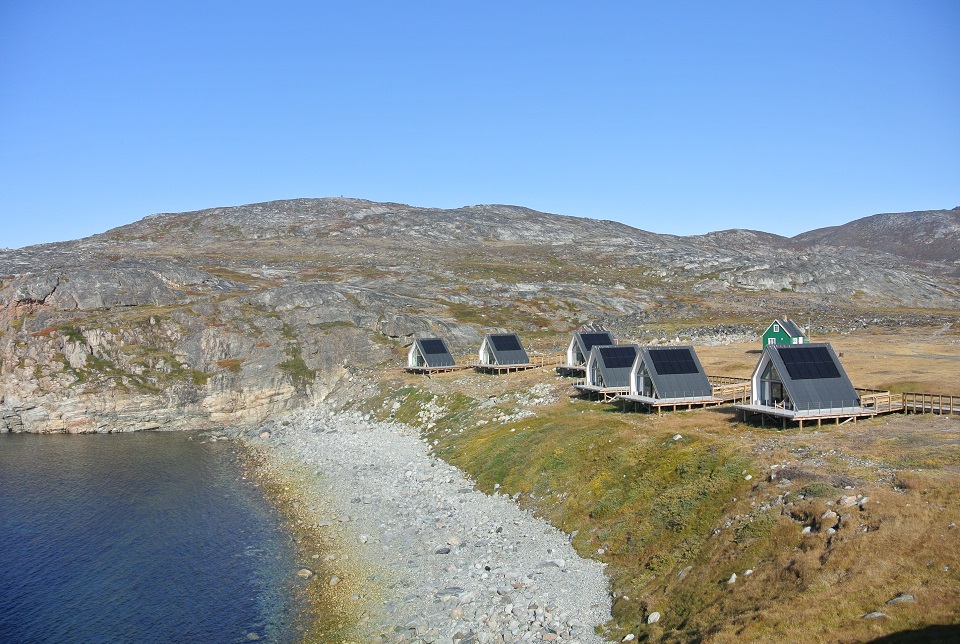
(423, 556)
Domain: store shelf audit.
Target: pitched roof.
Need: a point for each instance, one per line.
(434, 351)
(812, 375)
(676, 372)
(504, 349)
(610, 365)
(586, 339)
(789, 327)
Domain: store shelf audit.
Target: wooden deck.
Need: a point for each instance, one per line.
(536, 362)
(837, 414)
(671, 404)
(567, 370)
(604, 394)
(432, 370)
(871, 404)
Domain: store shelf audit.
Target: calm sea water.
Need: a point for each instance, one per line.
(145, 537)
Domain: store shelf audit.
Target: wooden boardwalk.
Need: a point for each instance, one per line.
(567, 370)
(604, 394)
(918, 403)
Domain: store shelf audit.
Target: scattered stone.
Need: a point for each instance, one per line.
(334, 580)
(683, 573)
(748, 477)
(653, 617)
(253, 637)
(628, 637)
(264, 435)
(874, 615)
(305, 573)
(454, 564)
(901, 598)
(733, 579)
(806, 530)
(677, 437)
(846, 501)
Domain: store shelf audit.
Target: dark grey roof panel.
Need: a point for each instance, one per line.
(507, 349)
(506, 342)
(673, 361)
(806, 362)
(585, 340)
(435, 352)
(676, 382)
(591, 340)
(615, 363)
(813, 391)
(792, 328)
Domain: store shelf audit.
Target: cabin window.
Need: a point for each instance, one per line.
(771, 340)
(795, 341)
(776, 328)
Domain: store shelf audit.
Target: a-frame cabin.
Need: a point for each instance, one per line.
(502, 353)
(579, 349)
(672, 377)
(428, 355)
(803, 383)
(608, 371)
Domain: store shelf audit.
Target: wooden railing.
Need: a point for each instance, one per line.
(547, 360)
(920, 403)
(733, 392)
(726, 380)
(880, 401)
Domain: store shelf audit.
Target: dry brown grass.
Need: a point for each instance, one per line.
(924, 360)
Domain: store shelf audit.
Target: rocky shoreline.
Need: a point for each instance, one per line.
(424, 556)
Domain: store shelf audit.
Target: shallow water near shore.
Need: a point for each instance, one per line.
(146, 537)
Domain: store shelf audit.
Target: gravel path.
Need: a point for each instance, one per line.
(460, 566)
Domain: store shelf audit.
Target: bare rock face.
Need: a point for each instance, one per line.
(230, 315)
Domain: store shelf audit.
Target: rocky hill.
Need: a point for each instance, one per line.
(928, 235)
(229, 315)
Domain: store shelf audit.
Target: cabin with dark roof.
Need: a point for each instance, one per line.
(803, 384)
(429, 355)
(608, 371)
(669, 377)
(579, 350)
(502, 353)
(784, 331)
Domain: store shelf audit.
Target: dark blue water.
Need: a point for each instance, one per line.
(146, 537)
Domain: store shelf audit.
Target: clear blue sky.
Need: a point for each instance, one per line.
(676, 117)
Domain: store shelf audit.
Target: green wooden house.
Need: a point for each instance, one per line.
(784, 331)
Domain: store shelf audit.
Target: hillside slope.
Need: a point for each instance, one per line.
(927, 235)
(227, 315)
